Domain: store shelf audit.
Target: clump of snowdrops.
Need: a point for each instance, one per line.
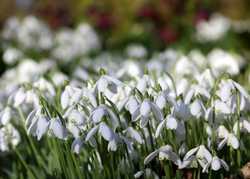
(169, 116)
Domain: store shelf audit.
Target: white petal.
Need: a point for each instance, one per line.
(224, 164)
(144, 121)
(160, 128)
(233, 141)
(222, 144)
(150, 157)
(161, 101)
(145, 108)
(19, 97)
(190, 153)
(246, 125)
(77, 145)
(171, 123)
(98, 114)
(112, 146)
(6, 116)
(132, 105)
(91, 133)
(215, 164)
(157, 112)
(42, 127)
(65, 99)
(58, 129)
(106, 132)
(135, 135)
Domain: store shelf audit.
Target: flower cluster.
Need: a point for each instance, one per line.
(183, 110)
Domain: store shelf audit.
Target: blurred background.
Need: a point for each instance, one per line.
(155, 24)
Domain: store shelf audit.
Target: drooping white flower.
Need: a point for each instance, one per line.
(71, 95)
(57, 129)
(227, 138)
(144, 110)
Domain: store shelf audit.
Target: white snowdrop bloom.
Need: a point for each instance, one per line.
(144, 83)
(28, 70)
(165, 98)
(221, 61)
(206, 79)
(197, 108)
(12, 55)
(134, 134)
(9, 137)
(77, 145)
(131, 68)
(185, 66)
(71, 95)
(59, 78)
(88, 36)
(44, 85)
(102, 111)
(19, 97)
(222, 107)
(144, 110)
(104, 130)
(198, 58)
(131, 104)
(5, 115)
(10, 29)
(213, 29)
(181, 111)
(34, 34)
(29, 97)
(57, 129)
(204, 158)
(76, 122)
(108, 85)
(227, 138)
(164, 152)
(243, 126)
(136, 51)
(182, 86)
(170, 123)
(37, 124)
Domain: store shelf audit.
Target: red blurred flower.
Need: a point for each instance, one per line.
(168, 34)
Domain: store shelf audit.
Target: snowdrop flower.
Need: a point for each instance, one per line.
(170, 123)
(37, 124)
(143, 111)
(243, 125)
(181, 111)
(185, 66)
(165, 97)
(77, 145)
(21, 96)
(136, 51)
(104, 130)
(164, 152)
(132, 104)
(12, 55)
(108, 85)
(57, 129)
(212, 30)
(76, 122)
(217, 59)
(70, 95)
(197, 108)
(9, 136)
(98, 114)
(144, 83)
(5, 116)
(134, 134)
(44, 85)
(227, 138)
